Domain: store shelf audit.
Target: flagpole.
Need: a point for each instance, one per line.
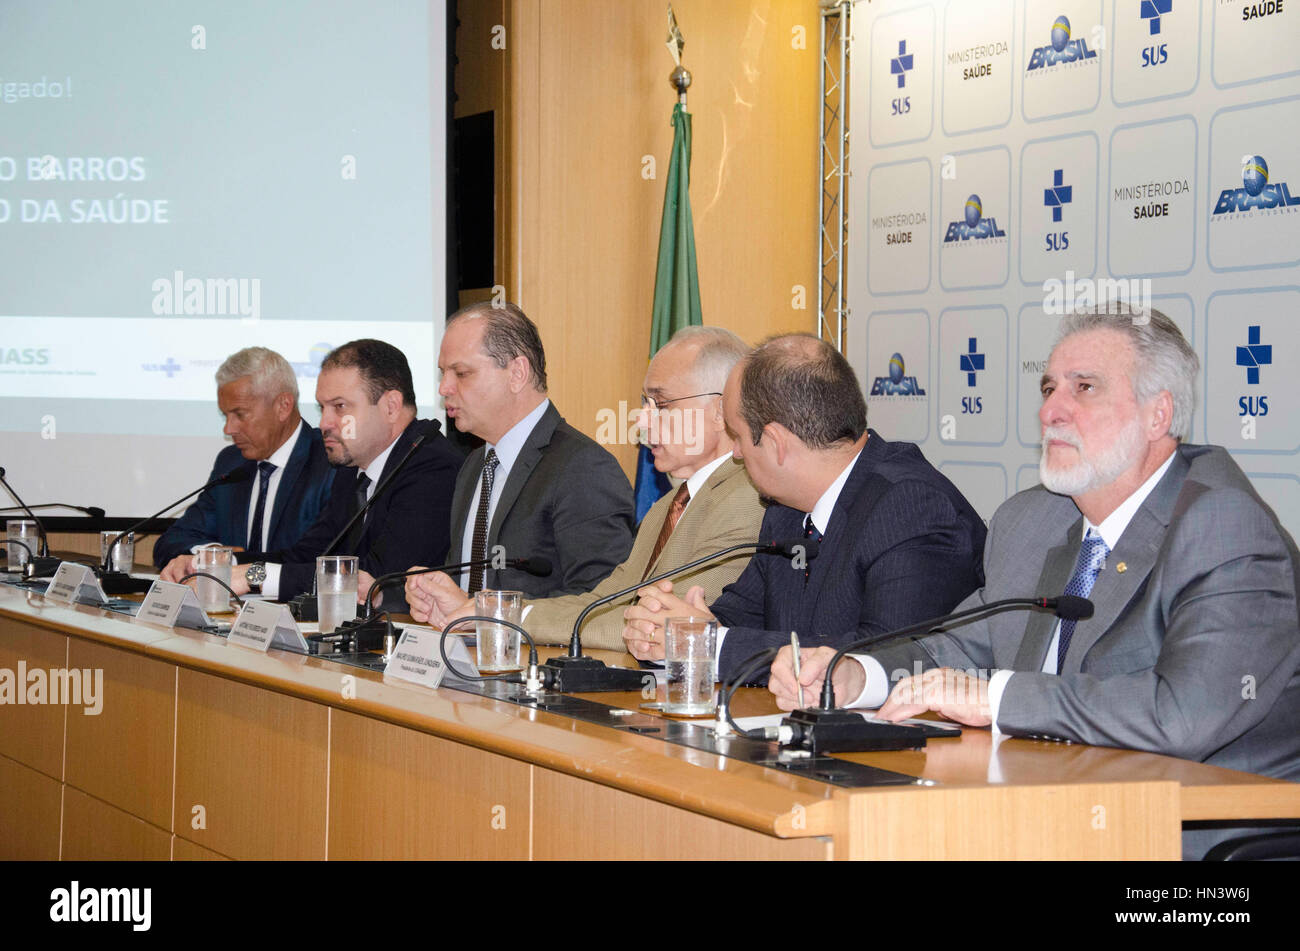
(680, 79)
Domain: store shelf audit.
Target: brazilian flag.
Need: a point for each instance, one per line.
(677, 284)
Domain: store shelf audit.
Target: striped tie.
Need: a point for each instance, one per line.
(479, 545)
(1092, 558)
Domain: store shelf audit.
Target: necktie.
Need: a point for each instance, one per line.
(675, 511)
(809, 531)
(354, 535)
(479, 545)
(264, 470)
(1092, 557)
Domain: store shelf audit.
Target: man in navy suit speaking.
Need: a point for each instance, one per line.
(897, 542)
(258, 395)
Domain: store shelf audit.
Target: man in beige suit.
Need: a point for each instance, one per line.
(714, 507)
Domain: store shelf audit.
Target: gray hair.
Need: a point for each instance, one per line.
(1163, 359)
(719, 350)
(271, 372)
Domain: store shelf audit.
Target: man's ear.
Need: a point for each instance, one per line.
(283, 405)
(520, 374)
(780, 440)
(1160, 416)
(391, 403)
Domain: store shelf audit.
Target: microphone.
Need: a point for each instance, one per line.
(121, 582)
(94, 511)
(826, 729)
(36, 567)
(305, 607)
(574, 673)
(369, 633)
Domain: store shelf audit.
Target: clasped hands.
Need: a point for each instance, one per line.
(643, 631)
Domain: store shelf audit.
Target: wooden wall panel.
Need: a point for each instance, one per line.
(577, 819)
(30, 806)
(589, 100)
(32, 734)
(255, 761)
(125, 755)
(401, 794)
(183, 850)
(95, 831)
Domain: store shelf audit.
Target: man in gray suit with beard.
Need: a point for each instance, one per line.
(538, 488)
(1194, 647)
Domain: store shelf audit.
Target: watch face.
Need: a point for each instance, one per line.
(256, 573)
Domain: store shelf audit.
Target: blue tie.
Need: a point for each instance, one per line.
(1092, 557)
(809, 531)
(264, 470)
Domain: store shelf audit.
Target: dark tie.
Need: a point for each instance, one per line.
(478, 546)
(1092, 557)
(675, 511)
(809, 531)
(264, 470)
(354, 535)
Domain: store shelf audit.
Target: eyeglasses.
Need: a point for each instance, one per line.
(647, 402)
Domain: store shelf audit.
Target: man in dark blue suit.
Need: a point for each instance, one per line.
(257, 393)
(367, 402)
(897, 542)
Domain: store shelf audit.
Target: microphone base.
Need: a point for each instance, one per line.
(119, 582)
(843, 731)
(588, 675)
(357, 636)
(304, 608)
(41, 567)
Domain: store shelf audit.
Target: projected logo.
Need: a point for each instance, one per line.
(973, 226)
(171, 367)
(311, 366)
(898, 383)
(1255, 194)
(1063, 49)
(1252, 357)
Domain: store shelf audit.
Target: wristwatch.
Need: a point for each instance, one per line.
(255, 575)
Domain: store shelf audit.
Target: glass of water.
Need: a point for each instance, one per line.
(123, 552)
(336, 590)
(690, 655)
(498, 645)
(215, 561)
(21, 530)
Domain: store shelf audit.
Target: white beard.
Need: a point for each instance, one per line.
(1087, 474)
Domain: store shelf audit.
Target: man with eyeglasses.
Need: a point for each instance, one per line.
(714, 507)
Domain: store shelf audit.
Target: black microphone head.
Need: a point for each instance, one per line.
(793, 547)
(541, 567)
(94, 511)
(242, 474)
(1072, 608)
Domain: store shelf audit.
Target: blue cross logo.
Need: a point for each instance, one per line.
(900, 64)
(1153, 10)
(1059, 195)
(971, 362)
(170, 367)
(1254, 355)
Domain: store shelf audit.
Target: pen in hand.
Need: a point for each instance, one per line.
(794, 647)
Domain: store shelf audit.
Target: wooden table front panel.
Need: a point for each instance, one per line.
(95, 831)
(577, 819)
(32, 734)
(29, 814)
(251, 769)
(125, 754)
(397, 793)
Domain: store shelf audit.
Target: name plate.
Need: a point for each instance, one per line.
(417, 659)
(76, 584)
(263, 624)
(173, 605)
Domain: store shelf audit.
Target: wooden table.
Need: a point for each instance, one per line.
(206, 750)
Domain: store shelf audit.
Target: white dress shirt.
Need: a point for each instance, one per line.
(507, 449)
(1112, 527)
(279, 459)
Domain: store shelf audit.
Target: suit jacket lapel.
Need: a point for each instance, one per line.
(697, 512)
(831, 547)
(529, 456)
(1137, 551)
(1057, 568)
(292, 470)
